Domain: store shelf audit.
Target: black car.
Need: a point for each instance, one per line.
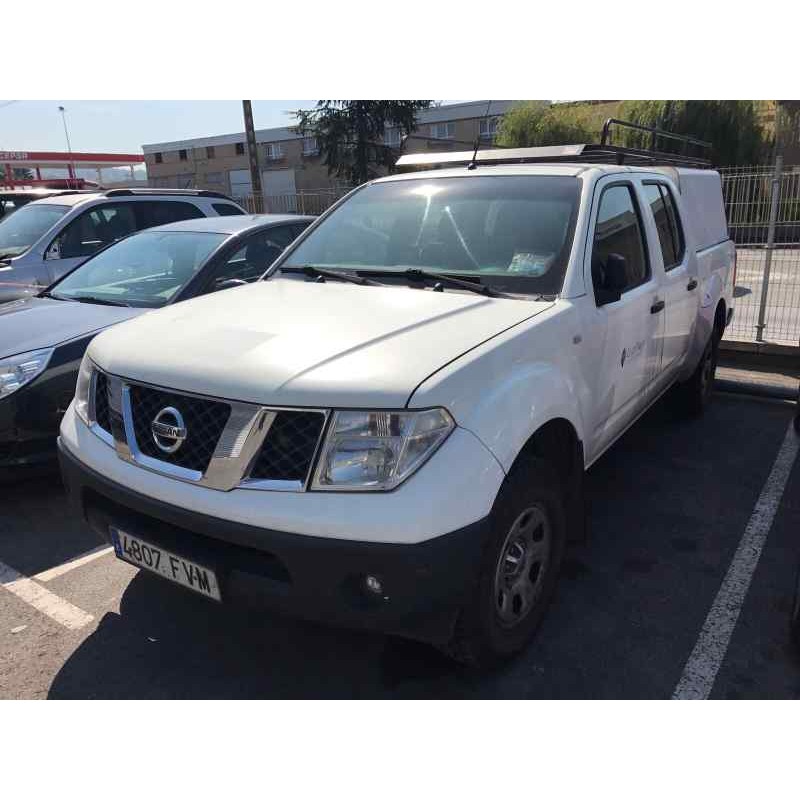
(43, 338)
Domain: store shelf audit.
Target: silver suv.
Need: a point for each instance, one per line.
(47, 238)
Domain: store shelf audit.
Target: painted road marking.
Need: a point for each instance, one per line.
(701, 669)
(42, 599)
(78, 561)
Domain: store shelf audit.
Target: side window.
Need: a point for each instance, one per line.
(670, 235)
(253, 259)
(299, 228)
(227, 209)
(619, 261)
(96, 228)
(162, 212)
(674, 222)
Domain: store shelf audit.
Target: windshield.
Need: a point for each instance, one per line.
(145, 270)
(511, 232)
(18, 231)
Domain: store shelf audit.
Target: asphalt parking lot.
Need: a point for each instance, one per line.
(669, 506)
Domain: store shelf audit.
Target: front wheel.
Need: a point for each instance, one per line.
(519, 568)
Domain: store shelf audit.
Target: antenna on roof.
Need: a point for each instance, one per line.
(472, 163)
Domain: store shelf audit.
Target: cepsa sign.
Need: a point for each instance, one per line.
(13, 156)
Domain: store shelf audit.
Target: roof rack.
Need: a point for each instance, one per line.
(190, 192)
(603, 153)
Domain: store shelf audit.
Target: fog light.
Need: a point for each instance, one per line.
(373, 585)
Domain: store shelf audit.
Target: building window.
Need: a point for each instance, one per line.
(239, 148)
(210, 152)
(274, 151)
(159, 158)
(489, 127)
(443, 130)
(310, 146)
(392, 137)
(182, 155)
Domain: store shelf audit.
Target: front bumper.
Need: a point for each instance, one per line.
(312, 577)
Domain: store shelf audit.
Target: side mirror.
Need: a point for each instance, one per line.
(54, 251)
(610, 278)
(228, 283)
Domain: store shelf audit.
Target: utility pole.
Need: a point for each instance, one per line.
(252, 154)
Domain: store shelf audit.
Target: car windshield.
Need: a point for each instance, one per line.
(144, 270)
(512, 232)
(18, 231)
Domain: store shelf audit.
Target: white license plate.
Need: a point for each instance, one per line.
(168, 565)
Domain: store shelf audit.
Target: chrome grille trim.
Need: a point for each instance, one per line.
(236, 450)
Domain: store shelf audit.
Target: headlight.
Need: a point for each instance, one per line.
(378, 450)
(82, 389)
(16, 371)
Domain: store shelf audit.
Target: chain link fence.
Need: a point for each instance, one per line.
(762, 204)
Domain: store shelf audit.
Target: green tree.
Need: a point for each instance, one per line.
(536, 123)
(350, 133)
(733, 127)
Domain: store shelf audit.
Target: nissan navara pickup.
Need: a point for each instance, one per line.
(390, 432)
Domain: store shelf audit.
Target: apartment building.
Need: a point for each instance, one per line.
(291, 163)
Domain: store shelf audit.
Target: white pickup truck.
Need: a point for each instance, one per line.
(391, 431)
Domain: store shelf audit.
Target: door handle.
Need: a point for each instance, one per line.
(692, 284)
(657, 306)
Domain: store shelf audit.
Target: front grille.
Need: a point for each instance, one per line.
(102, 409)
(204, 419)
(289, 447)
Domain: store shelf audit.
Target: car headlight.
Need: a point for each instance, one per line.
(378, 450)
(16, 371)
(83, 388)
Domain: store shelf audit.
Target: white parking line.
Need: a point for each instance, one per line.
(42, 599)
(701, 669)
(78, 561)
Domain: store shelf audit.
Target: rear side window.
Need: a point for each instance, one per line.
(670, 235)
(227, 209)
(162, 212)
(618, 231)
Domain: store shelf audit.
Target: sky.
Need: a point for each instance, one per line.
(124, 126)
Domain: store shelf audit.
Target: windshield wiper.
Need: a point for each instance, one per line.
(100, 301)
(52, 296)
(478, 288)
(335, 274)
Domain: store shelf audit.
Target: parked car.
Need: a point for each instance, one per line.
(391, 432)
(47, 238)
(42, 339)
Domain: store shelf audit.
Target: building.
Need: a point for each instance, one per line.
(21, 167)
(292, 164)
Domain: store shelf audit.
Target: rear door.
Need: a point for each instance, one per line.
(626, 332)
(680, 282)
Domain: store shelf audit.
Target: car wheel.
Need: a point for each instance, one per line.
(519, 568)
(794, 628)
(694, 396)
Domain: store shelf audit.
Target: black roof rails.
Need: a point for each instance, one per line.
(185, 192)
(603, 153)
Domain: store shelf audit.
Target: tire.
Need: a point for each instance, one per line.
(794, 624)
(519, 568)
(694, 395)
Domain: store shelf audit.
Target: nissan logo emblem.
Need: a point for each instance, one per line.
(168, 429)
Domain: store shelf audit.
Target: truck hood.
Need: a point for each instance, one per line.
(292, 342)
(39, 322)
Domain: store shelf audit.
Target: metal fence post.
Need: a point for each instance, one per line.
(773, 219)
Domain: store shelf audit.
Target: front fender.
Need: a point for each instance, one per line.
(506, 390)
